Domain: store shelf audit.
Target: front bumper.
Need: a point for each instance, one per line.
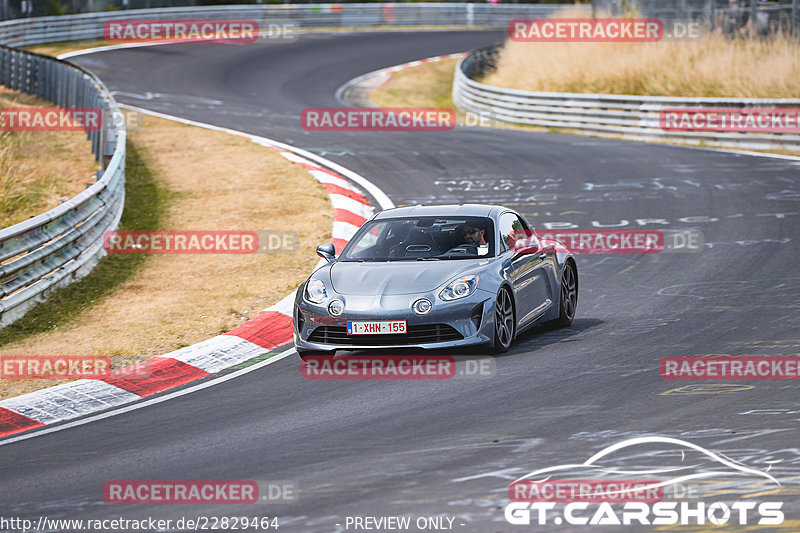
(465, 322)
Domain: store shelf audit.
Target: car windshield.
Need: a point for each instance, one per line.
(422, 238)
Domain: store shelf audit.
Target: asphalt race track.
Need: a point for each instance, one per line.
(450, 447)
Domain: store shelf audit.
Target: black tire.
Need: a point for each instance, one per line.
(505, 324)
(568, 300)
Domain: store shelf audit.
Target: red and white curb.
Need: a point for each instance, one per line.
(269, 329)
(381, 76)
(410, 64)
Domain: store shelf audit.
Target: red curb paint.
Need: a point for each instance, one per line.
(336, 189)
(268, 329)
(166, 373)
(339, 244)
(11, 422)
(313, 166)
(343, 215)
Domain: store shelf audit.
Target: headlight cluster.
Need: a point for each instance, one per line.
(459, 288)
(315, 291)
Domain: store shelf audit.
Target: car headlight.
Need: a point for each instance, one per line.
(315, 291)
(422, 306)
(336, 307)
(459, 288)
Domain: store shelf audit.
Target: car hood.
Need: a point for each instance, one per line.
(396, 277)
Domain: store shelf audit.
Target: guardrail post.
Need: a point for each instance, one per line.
(15, 70)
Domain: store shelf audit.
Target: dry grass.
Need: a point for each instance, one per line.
(215, 181)
(55, 49)
(713, 66)
(39, 169)
(426, 85)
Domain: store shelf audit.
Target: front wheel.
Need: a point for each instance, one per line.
(504, 323)
(569, 296)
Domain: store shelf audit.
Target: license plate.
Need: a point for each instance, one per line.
(377, 327)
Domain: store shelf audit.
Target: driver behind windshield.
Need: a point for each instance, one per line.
(474, 235)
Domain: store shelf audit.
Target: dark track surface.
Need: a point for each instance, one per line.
(449, 447)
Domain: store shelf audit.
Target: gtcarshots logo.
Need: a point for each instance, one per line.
(122, 31)
(378, 119)
(51, 119)
(553, 496)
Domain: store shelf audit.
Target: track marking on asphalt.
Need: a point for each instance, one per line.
(341, 89)
(626, 269)
(711, 388)
(152, 401)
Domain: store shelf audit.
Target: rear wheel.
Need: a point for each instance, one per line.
(569, 296)
(504, 323)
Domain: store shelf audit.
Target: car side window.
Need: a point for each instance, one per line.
(511, 228)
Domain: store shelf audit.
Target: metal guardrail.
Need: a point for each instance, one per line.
(26, 32)
(627, 116)
(57, 247)
(63, 244)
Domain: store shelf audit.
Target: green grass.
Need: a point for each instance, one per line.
(146, 202)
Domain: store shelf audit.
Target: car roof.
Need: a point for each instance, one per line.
(464, 210)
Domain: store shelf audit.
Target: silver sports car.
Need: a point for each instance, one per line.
(435, 277)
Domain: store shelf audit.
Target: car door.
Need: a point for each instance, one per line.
(526, 271)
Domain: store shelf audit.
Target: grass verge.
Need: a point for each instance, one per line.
(426, 85)
(712, 67)
(133, 307)
(430, 85)
(39, 169)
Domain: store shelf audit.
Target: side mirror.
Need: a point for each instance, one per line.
(526, 246)
(327, 251)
